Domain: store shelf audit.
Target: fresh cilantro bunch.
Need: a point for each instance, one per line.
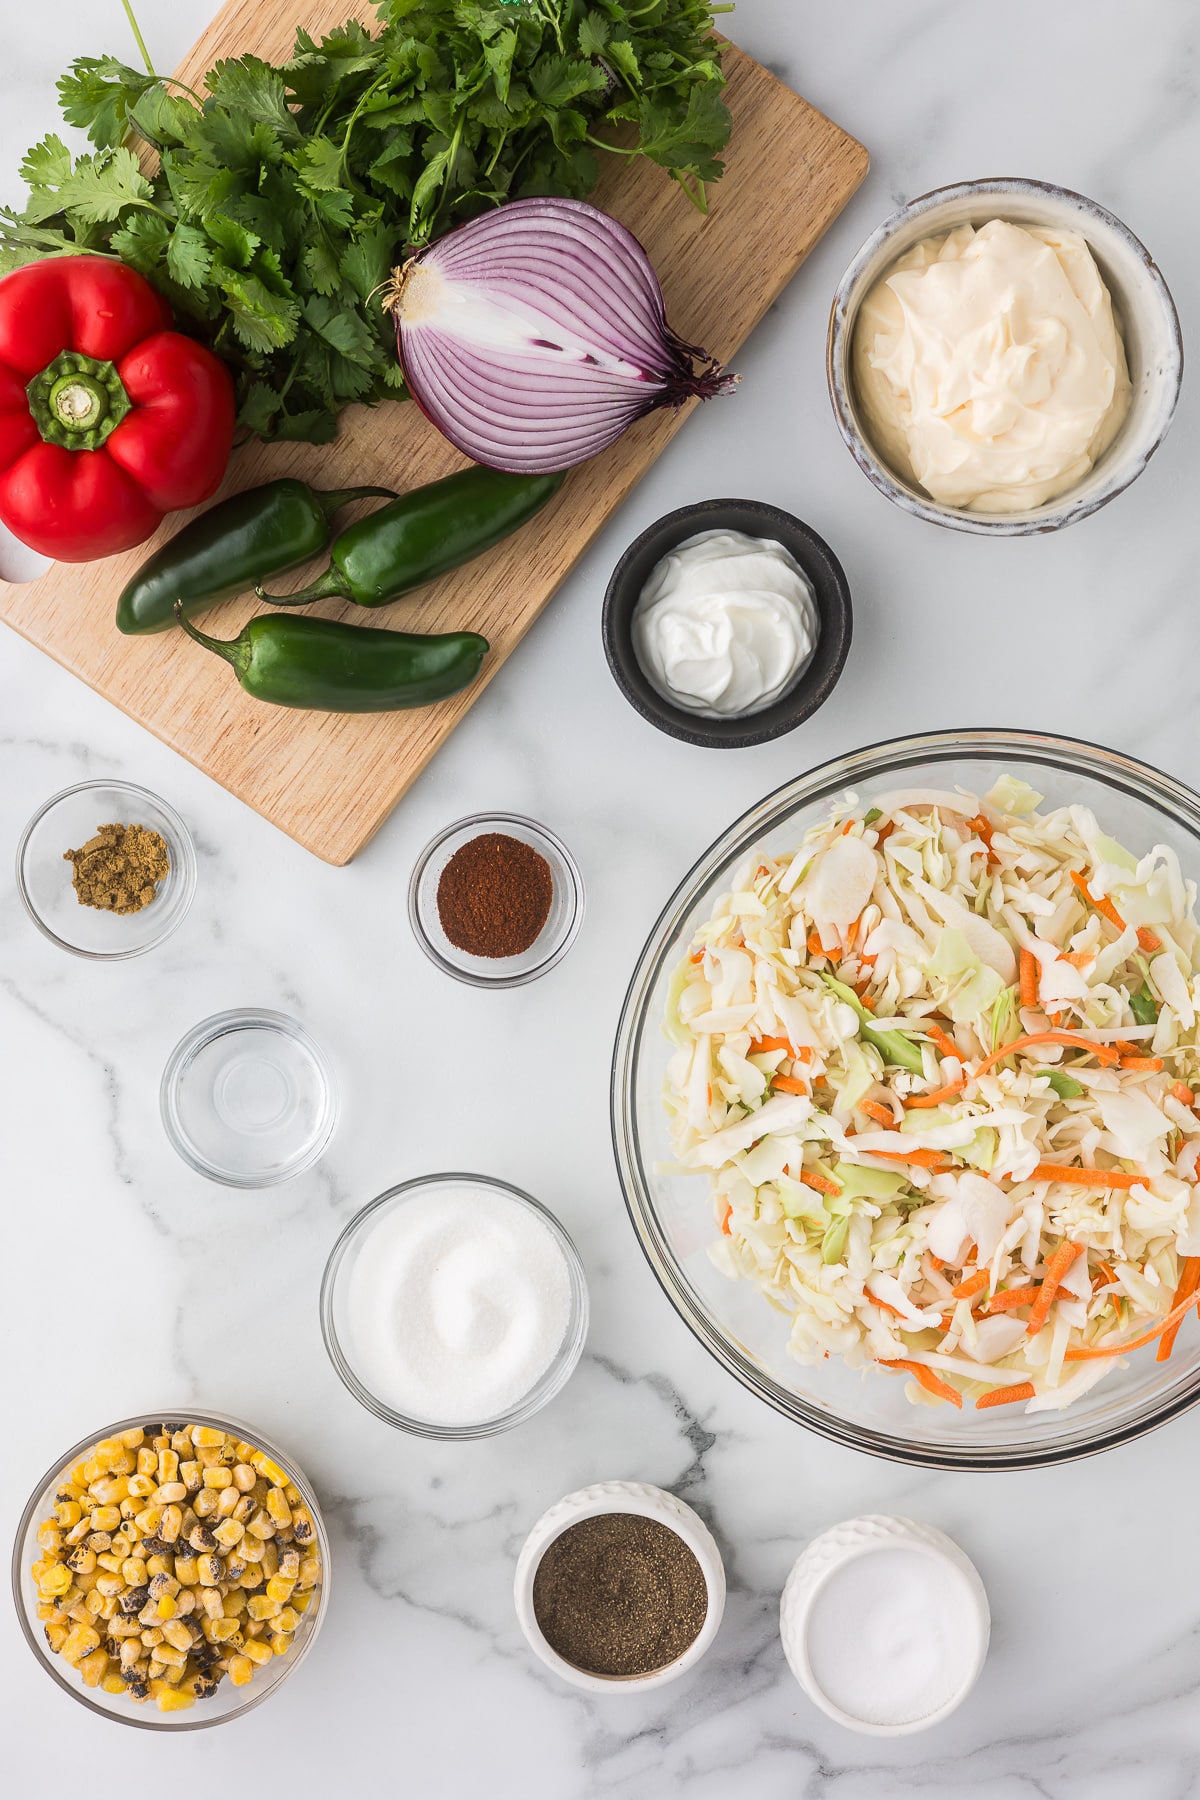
(269, 209)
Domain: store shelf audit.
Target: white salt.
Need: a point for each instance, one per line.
(458, 1302)
(892, 1635)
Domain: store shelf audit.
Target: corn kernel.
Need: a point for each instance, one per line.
(287, 1620)
(166, 1607)
(92, 1667)
(279, 1588)
(260, 1606)
(95, 1603)
(262, 1524)
(168, 1465)
(134, 1571)
(229, 1533)
(172, 1699)
(79, 1642)
(241, 1670)
(207, 1434)
(256, 1650)
(56, 1637)
(274, 1474)
(141, 1486)
(176, 1633)
(55, 1580)
(252, 1549)
(185, 1570)
(68, 1512)
(133, 1437)
(235, 1603)
(147, 1462)
(110, 1489)
(109, 1560)
(106, 1518)
(278, 1507)
(270, 1560)
(49, 1535)
(228, 1501)
(303, 1525)
(172, 1523)
(149, 1520)
(151, 1637)
(191, 1474)
(93, 1470)
(218, 1477)
(244, 1477)
(213, 1602)
(205, 1503)
(112, 1683)
(110, 1584)
(281, 1643)
(292, 1494)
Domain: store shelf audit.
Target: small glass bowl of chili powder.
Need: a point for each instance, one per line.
(496, 900)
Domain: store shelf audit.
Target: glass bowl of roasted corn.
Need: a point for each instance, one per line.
(171, 1570)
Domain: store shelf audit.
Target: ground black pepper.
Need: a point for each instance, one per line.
(619, 1594)
(494, 895)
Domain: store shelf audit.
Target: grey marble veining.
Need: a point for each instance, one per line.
(130, 1282)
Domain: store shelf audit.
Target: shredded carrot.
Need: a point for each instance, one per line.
(1189, 1281)
(880, 1114)
(933, 1384)
(848, 827)
(1056, 1268)
(867, 1001)
(811, 1178)
(1080, 1177)
(697, 956)
(924, 1159)
(1008, 1299)
(868, 962)
(1183, 1093)
(1148, 940)
(947, 1321)
(973, 1284)
(1078, 959)
(708, 1094)
(1085, 1352)
(1106, 1276)
(883, 833)
(938, 1095)
(789, 1084)
(886, 1305)
(763, 1046)
(851, 934)
(1029, 978)
(1006, 1395)
(981, 828)
(1148, 1065)
(725, 1221)
(1104, 1053)
(936, 1262)
(940, 1041)
(1104, 907)
(816, 948)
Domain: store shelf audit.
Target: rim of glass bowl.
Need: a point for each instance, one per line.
(505, 976)
(186, 868)
(1139, 781)
(197, 1038)
(566, 1357)
(191, 1720)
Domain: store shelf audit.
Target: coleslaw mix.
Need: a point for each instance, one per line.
(941, 1068)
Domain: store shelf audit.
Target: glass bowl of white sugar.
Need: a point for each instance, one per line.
(454, 1306)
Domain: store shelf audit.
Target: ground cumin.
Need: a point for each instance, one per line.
(119, 869)
(494, 895)
(619, 1594)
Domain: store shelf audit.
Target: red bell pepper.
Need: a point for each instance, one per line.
(108, 418)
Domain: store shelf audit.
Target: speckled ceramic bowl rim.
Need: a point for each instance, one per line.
(811, 687)
(198, 1720)
(1055, 513)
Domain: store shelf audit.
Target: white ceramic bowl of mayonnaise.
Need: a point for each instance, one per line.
(1142, 307)
(885, 1624)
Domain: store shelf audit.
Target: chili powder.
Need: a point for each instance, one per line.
(494, 896)
(619, 1594)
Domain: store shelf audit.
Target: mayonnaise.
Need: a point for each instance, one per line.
(725, 624)
(989, 366)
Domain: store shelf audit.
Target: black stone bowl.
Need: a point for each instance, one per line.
(815, 682)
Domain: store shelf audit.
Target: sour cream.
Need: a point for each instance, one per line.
(725, 624)
(989, 365)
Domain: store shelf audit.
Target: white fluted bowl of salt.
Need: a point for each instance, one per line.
(454, 1306)
(885, 1624)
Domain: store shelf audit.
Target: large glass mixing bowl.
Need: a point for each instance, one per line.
(673, 1214)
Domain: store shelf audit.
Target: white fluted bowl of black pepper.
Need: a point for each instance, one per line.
(619, 1588)
(727, 623)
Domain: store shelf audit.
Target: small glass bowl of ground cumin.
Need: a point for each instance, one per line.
(106, 870)
(619, 1588)
(496, 900)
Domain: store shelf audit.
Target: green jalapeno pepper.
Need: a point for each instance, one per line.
(261, 532)
(322, 665)
(423, 534)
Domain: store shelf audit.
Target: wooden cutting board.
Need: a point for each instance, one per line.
(330, 781)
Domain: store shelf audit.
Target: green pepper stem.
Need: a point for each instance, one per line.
(333, 499)
(232, 649)
(329, 586)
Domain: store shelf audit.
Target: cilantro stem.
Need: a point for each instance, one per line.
(138, 39)
(697, 196)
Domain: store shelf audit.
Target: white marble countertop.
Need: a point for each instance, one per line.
(131, 1282)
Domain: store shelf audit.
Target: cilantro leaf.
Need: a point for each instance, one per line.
(189, 258)
(96, 94)
(594, 33)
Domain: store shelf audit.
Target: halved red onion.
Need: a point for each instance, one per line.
(535, 335)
